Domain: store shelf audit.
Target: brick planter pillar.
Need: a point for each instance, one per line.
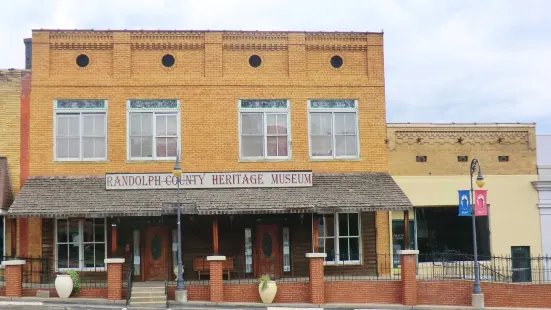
(317, 282)
(409, 276)
(13, 276)
(216, 286)
(114, 278)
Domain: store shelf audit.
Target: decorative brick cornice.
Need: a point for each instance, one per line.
(167, 46)
(264, 36)
(167, 36)
(81, 46)
(344, 37)
(337, 48)
(81, 36)
(467, 137)
(258, 47)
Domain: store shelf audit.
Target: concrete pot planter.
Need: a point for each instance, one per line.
(267, 294)
(63, 285)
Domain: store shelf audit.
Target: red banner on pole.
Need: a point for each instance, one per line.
(480, 202)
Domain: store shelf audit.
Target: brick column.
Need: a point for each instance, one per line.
(409, 276)
(114, 278)
(317, 282)
(216, 286)
(13, 276)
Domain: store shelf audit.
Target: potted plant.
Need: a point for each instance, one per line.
(67, 284)
(267, 289)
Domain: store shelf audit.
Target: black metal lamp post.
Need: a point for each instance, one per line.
(177, 172)
(480, 182)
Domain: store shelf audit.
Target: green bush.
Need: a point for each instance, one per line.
(76, 282)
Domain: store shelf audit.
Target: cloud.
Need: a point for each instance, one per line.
(454, 60)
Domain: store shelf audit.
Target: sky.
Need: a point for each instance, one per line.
(445, 60)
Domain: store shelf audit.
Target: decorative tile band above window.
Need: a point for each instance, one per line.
(264, 104)
(155, 104)
(333, 104)
(67, 104)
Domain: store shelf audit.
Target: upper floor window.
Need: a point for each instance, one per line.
(153, 129)
(80, 128)
(264, 129)
(333, 129)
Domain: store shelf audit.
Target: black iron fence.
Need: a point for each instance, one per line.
(495, 268)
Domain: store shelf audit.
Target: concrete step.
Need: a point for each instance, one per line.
(161, 299)
(139, 289)
(147, 303)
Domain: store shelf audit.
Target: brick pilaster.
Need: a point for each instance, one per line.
(114, 278)
(409, 276)
(216, 286)
(13, 277)
(317, 282)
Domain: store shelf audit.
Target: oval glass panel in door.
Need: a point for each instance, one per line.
(156, 247)
(267, 244)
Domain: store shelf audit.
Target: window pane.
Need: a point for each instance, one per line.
(282, 124)
(62, 148)
(74, 250)
(62, 125)
(62, 230)
(321, 245)
(321, 146)
(160, 147)
(88, 230)
(147, 123)
(343, 224)
(345, 145)
(171, 147)
(99, 147)
(62, 256)
(147, 147)
(252, 146)
(89, 255)
(343, 249)
(339, 123)
(99, 230)
(74, 126)
(350, 123)
(73, 231)
(100, 254)
(354, 248)
(172, 125)
(88, 125)
(99, 125)
(353, 224)
(87, 147)
(277, 146)
(320, 123)
(329, 225)
(271, 126)
(136, 147)
(330, 248)
(251, 123)
(351, 146)
(135, 124)
(74, 147)
(160, 125)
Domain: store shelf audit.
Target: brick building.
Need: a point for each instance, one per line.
(431, 162)
(281, 137)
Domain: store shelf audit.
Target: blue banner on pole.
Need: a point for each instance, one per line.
(464, 203)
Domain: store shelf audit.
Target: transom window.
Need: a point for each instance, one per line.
(154, 129)
(264, 129)
(80, 244)
(339, 238)
(80, 130)
(333, 129)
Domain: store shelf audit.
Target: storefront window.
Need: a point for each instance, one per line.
(80, 244)
(339, 238)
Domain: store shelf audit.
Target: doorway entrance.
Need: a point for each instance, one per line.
(268, 251)
(155, 253)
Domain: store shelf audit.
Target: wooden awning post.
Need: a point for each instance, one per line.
(113, 239)
(315, 224)
(406, 230)
(215, 236)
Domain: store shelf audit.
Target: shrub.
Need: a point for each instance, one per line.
(76, 282)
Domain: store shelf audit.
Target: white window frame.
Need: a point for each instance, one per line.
(333, 143)
(337, 261)
(81, 246)
(80, 112)
(265, 112)
(154, 112)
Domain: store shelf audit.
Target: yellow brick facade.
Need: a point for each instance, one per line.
(443, 143)
(211, 73)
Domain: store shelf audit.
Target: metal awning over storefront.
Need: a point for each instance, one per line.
(65, 196)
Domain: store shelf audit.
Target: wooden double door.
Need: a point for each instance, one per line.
(268, 251)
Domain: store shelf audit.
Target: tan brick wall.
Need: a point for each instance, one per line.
(10, 99)
(440, 143)
(210, 75)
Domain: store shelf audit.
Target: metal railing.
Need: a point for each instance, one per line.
(129, 281)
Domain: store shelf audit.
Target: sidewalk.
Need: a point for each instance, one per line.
(120, 304)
